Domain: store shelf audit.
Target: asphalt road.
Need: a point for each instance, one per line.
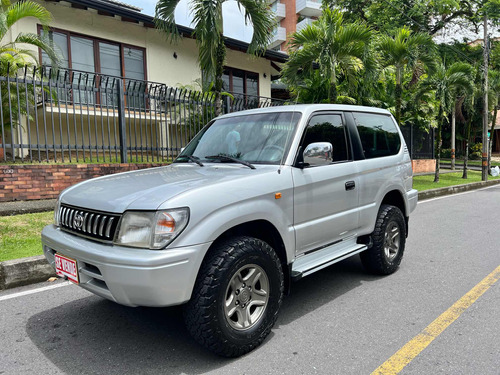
(337, 321)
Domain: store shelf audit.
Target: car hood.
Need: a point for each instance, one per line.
(147, 189)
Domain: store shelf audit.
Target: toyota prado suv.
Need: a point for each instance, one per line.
(258, 199)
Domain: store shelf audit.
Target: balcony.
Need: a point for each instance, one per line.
(309, 8)
(304, 23)
(279, 36)
(68, 115)
(279, 10)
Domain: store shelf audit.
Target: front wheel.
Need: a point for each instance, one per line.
(237, 296)
(389, 238)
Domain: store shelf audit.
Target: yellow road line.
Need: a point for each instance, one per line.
(407, 353)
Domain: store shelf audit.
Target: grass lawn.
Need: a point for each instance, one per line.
(460, 162)
(447, 179)
(20, 235)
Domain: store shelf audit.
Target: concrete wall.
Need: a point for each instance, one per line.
(161, 64)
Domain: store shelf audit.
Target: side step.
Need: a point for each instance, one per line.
(316, 261)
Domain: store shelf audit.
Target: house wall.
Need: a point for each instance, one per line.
(161, 64)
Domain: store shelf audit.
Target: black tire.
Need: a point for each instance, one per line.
(209, 319)
(385, 256)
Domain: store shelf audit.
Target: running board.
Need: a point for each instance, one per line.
(316, 261)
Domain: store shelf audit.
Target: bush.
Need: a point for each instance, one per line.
(475, 155)
(446, 153)
(476, 147)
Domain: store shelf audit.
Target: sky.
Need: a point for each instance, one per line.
(234, 20)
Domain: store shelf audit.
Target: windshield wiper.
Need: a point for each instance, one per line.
(229, 158)
(194, 159)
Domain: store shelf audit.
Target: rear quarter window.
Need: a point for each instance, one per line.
(379, 135)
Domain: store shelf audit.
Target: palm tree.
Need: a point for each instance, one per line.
(447, 85)
(494, 88)
(17, 53)
(332, 46)
(20, 53)
(208, 31)
(406, 51)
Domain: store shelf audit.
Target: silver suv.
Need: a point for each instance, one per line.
(256, 200)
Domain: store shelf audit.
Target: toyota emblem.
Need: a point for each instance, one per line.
(78, 221)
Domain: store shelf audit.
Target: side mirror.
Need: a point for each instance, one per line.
(318, 153)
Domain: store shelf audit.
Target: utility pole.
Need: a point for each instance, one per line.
(484, 159)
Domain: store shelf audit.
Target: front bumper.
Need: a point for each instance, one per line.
(132, 277)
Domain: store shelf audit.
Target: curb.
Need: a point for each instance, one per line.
(439, 192)
(25, 207)
(24, 271)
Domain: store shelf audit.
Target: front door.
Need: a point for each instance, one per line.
(326, 193)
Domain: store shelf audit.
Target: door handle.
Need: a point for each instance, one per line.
(350, 185)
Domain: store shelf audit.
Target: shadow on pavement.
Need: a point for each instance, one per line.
(92, 335)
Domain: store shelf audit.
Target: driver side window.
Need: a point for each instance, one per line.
(328, 128)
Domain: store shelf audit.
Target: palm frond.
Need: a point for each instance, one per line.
(260, 15)
(27, 8)
(165, 18)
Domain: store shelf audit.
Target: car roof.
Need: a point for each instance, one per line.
(309, 108)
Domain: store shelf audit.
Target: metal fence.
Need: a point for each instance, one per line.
(73, 116)
(420, 142)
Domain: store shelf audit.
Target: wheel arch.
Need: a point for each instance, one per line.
(265, 231)
(395, 198)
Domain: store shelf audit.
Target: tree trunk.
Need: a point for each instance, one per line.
(466, 152)
(219, 71)
(332, 93)
(438, 144)
(398, 94)
(490, 146)
(453, 138)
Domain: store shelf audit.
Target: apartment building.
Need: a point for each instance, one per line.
(291, 16)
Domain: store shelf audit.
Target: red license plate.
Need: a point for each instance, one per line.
(67, 267)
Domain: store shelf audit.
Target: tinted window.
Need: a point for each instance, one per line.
(378, 133)
(328, 128)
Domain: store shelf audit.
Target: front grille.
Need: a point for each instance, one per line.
(93, 224)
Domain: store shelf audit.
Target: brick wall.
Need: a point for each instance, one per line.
(27, 182)
(423, 165)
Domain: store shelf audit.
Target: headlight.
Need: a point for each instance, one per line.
(151, 230)
(57, 208)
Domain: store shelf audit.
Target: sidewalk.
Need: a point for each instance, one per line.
(26, 207)
(25, 271)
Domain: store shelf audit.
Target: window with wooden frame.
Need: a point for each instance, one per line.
(239, 81)
(93, 55)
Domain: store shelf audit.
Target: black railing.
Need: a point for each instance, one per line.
(420, 142)
(73, 116)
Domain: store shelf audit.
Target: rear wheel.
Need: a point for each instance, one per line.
(236, 298)
(389, 238)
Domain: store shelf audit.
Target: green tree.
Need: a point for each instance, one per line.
(330, 45)
(20, 53)
(448, 84)
(494, 98)
(208, 31)
(418, 15)
(406, 52)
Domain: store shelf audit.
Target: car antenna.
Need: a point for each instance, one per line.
(282, 162)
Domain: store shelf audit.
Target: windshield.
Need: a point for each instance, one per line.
(258, 138)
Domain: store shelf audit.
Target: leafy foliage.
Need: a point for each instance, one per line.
(332, 46)
(20, 54)
(208, 31)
